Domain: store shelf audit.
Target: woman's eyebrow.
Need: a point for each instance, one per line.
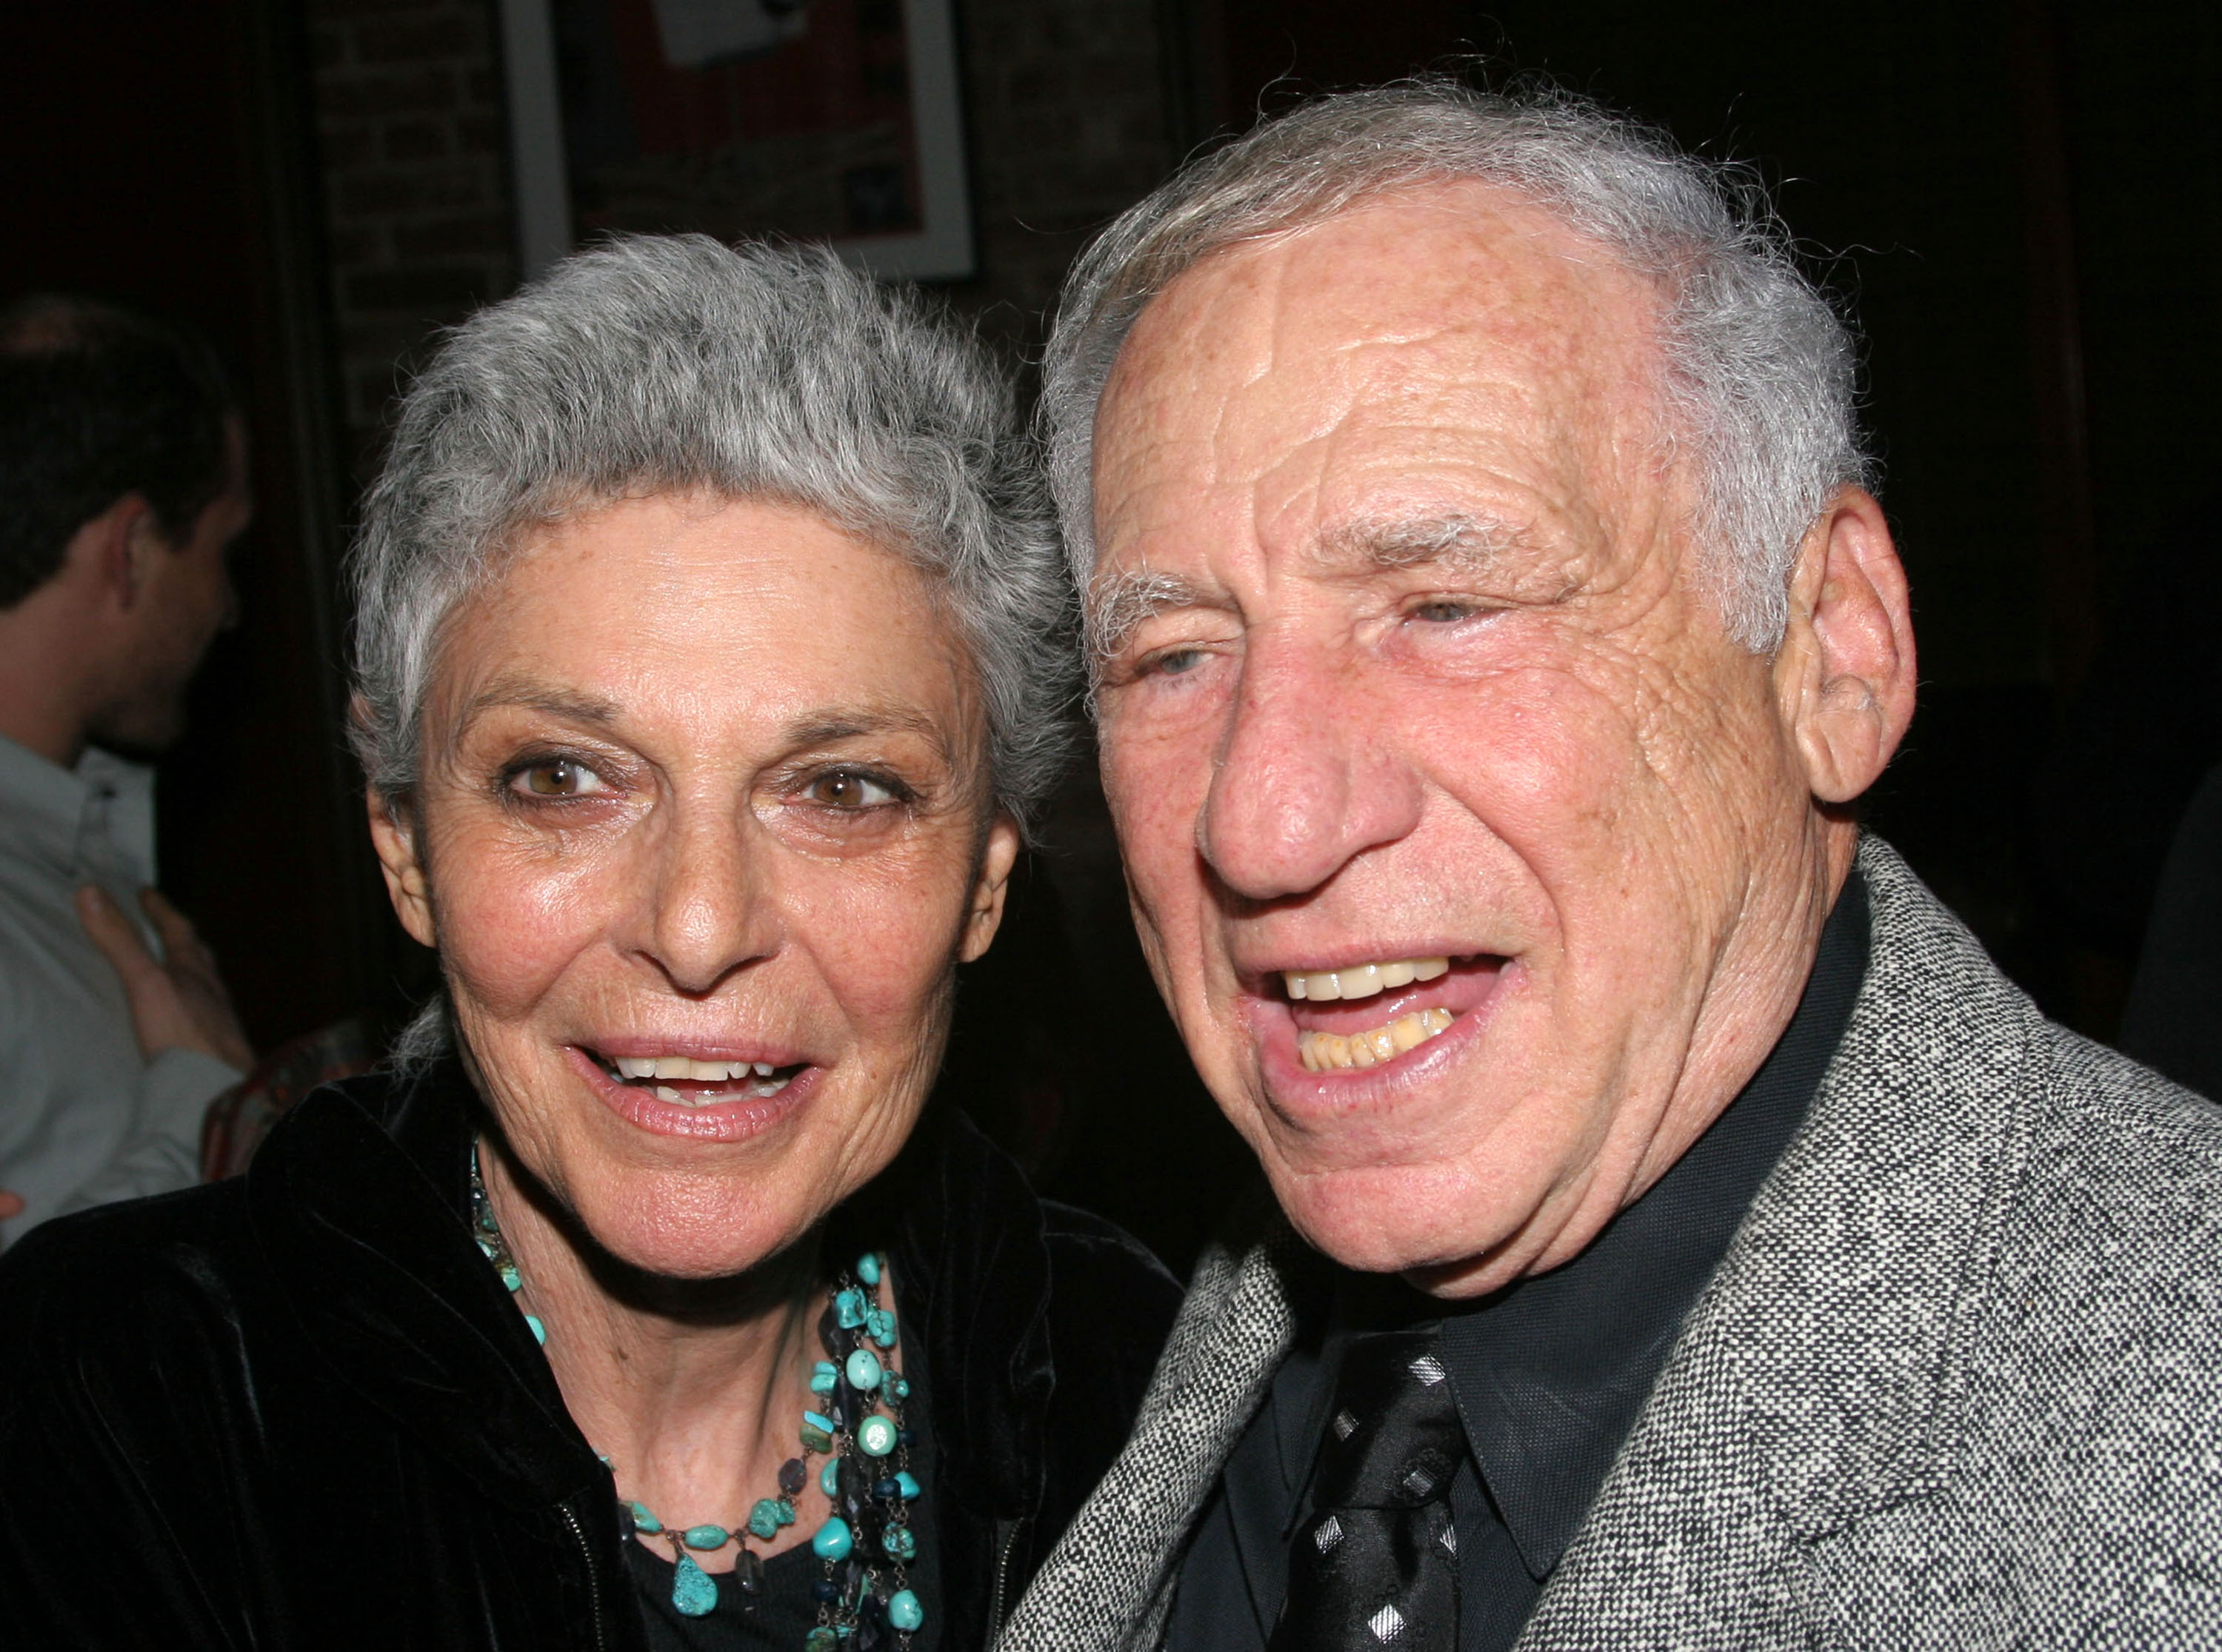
(571, 706)
(828, 725)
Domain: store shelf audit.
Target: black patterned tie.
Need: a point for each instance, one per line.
(1376, 1565)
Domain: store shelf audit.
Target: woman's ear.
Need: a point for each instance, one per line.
(393, 833)
(1845, 674)
(984, 915)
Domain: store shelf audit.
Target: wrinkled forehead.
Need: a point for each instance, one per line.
(1443, 330)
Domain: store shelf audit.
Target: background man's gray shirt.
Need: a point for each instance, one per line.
(84, 1118)
(1957, 1383)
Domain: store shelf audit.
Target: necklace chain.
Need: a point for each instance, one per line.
(865, 1598)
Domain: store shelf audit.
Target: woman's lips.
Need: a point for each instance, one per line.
(731, 1109)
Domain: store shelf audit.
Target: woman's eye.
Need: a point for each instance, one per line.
(846, 789)
(558, 777)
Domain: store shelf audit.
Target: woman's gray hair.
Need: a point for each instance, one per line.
(1760, 372)
(676, 364)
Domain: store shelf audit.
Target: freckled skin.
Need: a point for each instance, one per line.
(699, 891)
(1558, 756)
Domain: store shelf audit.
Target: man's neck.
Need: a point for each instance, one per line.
(41, 677)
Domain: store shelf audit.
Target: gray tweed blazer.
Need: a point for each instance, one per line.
(1957, 1384)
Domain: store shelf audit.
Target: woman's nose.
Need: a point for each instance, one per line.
(712, 912)
(1303, 783)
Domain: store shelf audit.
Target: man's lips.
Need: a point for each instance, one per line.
(1338, 1041)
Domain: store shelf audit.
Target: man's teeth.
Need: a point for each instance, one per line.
(1323, 1051)
(1363, 980)
(682, 1067)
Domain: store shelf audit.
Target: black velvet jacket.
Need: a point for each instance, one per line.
(297, 1410)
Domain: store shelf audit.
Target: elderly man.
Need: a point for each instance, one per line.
(1686, 1236)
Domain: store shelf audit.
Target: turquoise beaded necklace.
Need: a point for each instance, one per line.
(864, 1599)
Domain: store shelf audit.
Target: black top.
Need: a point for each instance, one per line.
(299, 1410)
(2173, 1021)
(1550, 1373)
(774, 1621)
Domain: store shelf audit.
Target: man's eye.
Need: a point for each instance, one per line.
(558, 776)
(845, 788)
(1444, 612)
(1172, 662)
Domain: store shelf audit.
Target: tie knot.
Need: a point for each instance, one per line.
(1394, 1439)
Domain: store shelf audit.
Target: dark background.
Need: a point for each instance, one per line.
(2021, 202)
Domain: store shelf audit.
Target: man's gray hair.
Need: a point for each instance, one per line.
(676, 364)
(1760, 372)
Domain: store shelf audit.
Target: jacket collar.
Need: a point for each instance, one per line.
(360, 1199)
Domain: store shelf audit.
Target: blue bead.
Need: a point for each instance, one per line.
(901, 1542)
(849, 1310)
(825, 1591)
(539, 1331)
(887, 1490)
(691, 1590)
(899, 1387)
(834, 1541)
(645, 1521)
(882, 1324)
(864, 1370)
(763, 1519)
(786, 1511)
(820, 1421)
(904, 1612)
(875, 1436)
(867, 1267)
(829, 1478)
(512, 1278)
(823, 1379)
(909, 1484)
(704, 1538)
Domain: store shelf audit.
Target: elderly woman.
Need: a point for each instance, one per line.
(708, 668)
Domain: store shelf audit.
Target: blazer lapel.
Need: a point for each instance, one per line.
(1823, 1375)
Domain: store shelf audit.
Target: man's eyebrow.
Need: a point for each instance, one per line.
(1456, 541)
(1118, 602)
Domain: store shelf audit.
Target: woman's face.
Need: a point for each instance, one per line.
(701, 835)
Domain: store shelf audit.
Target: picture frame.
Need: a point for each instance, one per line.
(838, 121)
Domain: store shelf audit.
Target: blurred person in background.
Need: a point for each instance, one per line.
(122, 484)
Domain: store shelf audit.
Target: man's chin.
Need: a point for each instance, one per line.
(1426, 1224)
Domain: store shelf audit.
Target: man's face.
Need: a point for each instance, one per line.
(184, 599)
(1408, 659)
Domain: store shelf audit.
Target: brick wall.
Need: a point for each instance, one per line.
(413, 144)
(1066, 123)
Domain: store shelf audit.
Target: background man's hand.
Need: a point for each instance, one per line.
(178, 1001)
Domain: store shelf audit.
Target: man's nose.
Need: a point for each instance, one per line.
(1304, 782)
(712, 912)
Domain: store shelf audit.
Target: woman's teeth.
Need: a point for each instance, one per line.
(754, 1079)
(1362, 980)
(1323, 1051)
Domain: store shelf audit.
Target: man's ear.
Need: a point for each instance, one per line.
(984, 915)
(393, 833)
(113, 548)
(1845, 675)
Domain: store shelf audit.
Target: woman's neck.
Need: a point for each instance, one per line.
(692, 1390)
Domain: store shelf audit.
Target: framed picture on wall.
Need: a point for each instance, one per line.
(824, 120)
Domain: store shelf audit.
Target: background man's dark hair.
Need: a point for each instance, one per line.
(96, 402)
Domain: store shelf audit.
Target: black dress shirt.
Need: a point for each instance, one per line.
(1550, 1373)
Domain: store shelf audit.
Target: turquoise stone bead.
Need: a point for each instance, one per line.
(704, 1538)
(815, 1438)
(818, 1420)
(820, 1639)
(643, 1521)
(899, 1387)
(829, 1478)
(539, 1331)
(882, 1324)
(863, 1371)
(849, 1310)
(834, 1541)
(901, 1542)
(824, 1377)
(867, 1267)
(691, 1590)
(904, 1611)
(763, 1519)
(908, 1482)
(875, 1436)
(510, 1277)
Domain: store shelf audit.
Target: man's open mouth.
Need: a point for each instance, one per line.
(694, 1083)
(1364, 1015)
